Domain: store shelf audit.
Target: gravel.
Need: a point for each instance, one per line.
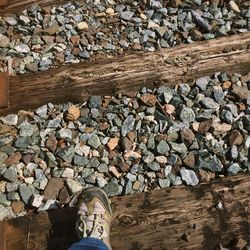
(134, 144)
(43, 38)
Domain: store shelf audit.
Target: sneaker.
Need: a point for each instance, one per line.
(94, 215)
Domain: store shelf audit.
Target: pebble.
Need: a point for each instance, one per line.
(11, 119)
(127, 125)
(189, 177)
(112, 189)
(187, 115)
(73, 186)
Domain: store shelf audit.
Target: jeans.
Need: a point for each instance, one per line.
(89, 244)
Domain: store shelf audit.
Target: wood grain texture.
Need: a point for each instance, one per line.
(174, 218)
(16, 6)
(120, 74)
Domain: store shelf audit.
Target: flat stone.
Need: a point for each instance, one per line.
(4, 201)
(149, 99)
(3, 157)
(113, 143)
(55, 123)
(52, 189)
(164, 183)
(234, 168)
(210, 103)
(68, 173)
(42, 111)
(67, 154)
(94, 141)
(189, 160)
(112, 189)
(5, 213)
(94, 101)
(162, 147)
(65, 133)
(179, 148)
(36, 200)
(73, 113)
(10, 119)
(235, 138)
(127, 125)
(126, 15)
(154, 166)
(17, 206)
(187, 136)
(11, 174)
(189, 177)
(26, 191)
(73, 186)
(233, 6)
(26, 129)
(82, 26)
(22, 48)
(4, 41)
(187, 115)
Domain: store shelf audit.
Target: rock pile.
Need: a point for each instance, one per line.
(125, 144)
(43, 38)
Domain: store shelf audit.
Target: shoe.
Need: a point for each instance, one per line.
(94, 215)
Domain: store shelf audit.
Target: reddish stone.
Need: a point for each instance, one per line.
(124, 167)
(205, 126)
(131, 136)
(17, 206)
(187, 136)
(149, 100)
(27, 158)
(75, 39)
(13, 159)
(126, 144)
(51, 143)
(235, 138)
(64, 196)
(53, 188)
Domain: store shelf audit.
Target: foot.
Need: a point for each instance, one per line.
(94, 215)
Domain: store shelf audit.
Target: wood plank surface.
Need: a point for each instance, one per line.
(173, 218)
(120, 74)
(16, 6)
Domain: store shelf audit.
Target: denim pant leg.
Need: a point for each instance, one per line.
(89, 244)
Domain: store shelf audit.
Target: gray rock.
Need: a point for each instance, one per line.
(189, 177)
(177, 181)
(164, 183)
(187, 115)
(67, 154)
(13, 196)
(130, 177)
(26, 129)
(127, 125)
(11, 174)
(154, 166)
(4, 201)
(201, 22)
(227, 116)
(65, 133)
(11, 21)
(87, 172)
(80, 160)
(73, 186)
(128, 188)
(210, 103)
(10, 119)
(42, 111)
(112, 189)
(3, 157)
(167, 170)
(126, 15)
(22, 142)
(26, 192)
(6, 213)
(202, 82)
(55, 123)
(22, 48)
(162, 147)
(94, 141)
(179, 148)
(94, 101)
(234, 168)
(103, 168)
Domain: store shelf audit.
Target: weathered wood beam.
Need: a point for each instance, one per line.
(173, 218)
(16, 6)
(112, 75)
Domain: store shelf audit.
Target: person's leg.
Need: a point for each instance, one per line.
(93, 222)
(89, 243)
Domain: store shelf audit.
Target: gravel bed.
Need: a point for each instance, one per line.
(43, 38)
(125, 144)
